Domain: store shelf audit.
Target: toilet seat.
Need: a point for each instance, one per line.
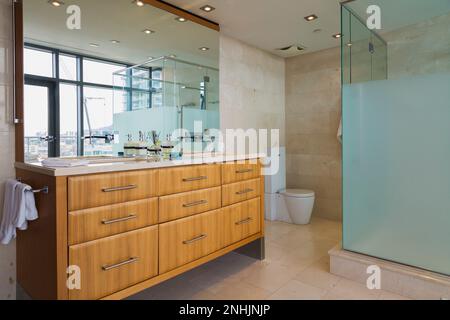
(298, 193)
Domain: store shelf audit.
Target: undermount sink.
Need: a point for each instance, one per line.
(104, 159)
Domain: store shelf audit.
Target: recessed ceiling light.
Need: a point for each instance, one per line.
(150, 58)
(148, 31)
(207, 8)
(311, 17)
(337, 35)
(180, 19)
(349, 44)
(94, 45)
(139, 3)
(204, 48)
(56, 3)
(172, 56)
(115, 41)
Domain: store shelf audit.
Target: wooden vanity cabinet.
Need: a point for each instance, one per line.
(127, 231)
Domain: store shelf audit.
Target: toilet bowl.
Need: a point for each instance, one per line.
(299, 204)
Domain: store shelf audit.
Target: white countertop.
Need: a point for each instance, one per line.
(129, 165)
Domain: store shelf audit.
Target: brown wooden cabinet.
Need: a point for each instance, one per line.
(127, 231)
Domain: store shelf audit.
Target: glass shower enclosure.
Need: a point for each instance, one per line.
(170, 96)
(396, 132)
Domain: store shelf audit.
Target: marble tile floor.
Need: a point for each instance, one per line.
(296, 268)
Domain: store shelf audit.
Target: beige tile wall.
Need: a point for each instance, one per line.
(313, 104)
(7, 253)
(252, 90)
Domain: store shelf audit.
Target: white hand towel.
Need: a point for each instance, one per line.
(339, 134)
(7, 228)
(25, 206)
(19, 207)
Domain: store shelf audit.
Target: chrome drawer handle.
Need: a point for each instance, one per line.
(245, 221)
(130, 217)
(193, 204)
(195, 179)
(244, 171)
(120, 264)
(244, 191)
(203, 236)
(131, 186)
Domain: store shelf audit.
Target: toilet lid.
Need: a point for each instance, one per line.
(298, 193)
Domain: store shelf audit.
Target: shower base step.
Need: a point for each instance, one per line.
(404, 280)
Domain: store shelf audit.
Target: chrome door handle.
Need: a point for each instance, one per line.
(195, 179)
(244, 191)
(245, 221)
(47, 139)
(203, 236)
(120, 264)
(244, 171)
(132, 186)
(193, 204)
(130, 217)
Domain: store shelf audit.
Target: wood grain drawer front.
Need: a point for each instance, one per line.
(188, 239)
(240, 191)
(236, 171)
(190, 178)
(90, 224)
(242, 220)
(103, 189)
(189, 203)
(115, 263)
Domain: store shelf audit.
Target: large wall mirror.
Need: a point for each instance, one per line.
(101, 74)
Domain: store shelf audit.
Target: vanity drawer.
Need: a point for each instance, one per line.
(189, 203)
(240, 171)
(111, 264)
(103, 189)
(240, 191)
(189, 239)
(190, 178)
(90, 224)
(242, 220)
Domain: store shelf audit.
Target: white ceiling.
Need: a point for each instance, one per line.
(105, 20)
(272, 24)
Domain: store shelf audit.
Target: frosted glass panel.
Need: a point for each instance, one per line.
(397, 170)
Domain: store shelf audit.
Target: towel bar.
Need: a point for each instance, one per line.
(42, 190)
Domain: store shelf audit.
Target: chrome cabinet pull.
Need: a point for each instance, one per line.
(244, 191)
(130, 217)
(244, 171)
(193, 204)
(131, 186)
(203, 236)
(120, 264)
(195, 179)
(245, 221)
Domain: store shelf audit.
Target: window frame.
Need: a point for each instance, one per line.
(80, 84)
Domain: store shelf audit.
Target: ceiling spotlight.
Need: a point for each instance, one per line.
(349, 44)
(311, 17)
(139, 3)
(148, 31)
(172, 56)
(204, 48)
(115, 41)
(56, 3)
(337, 35)
(207, 8)
(180, 19)
(94, 45)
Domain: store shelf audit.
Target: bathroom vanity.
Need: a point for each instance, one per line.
(126, 226)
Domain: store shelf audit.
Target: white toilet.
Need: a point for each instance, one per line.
(299, 204)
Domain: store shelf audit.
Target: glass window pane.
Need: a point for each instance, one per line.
(98, 120)
(68, 67)
(68, 120)
(101, 72)
(38, 62)
(36, 122)
(157, 97)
